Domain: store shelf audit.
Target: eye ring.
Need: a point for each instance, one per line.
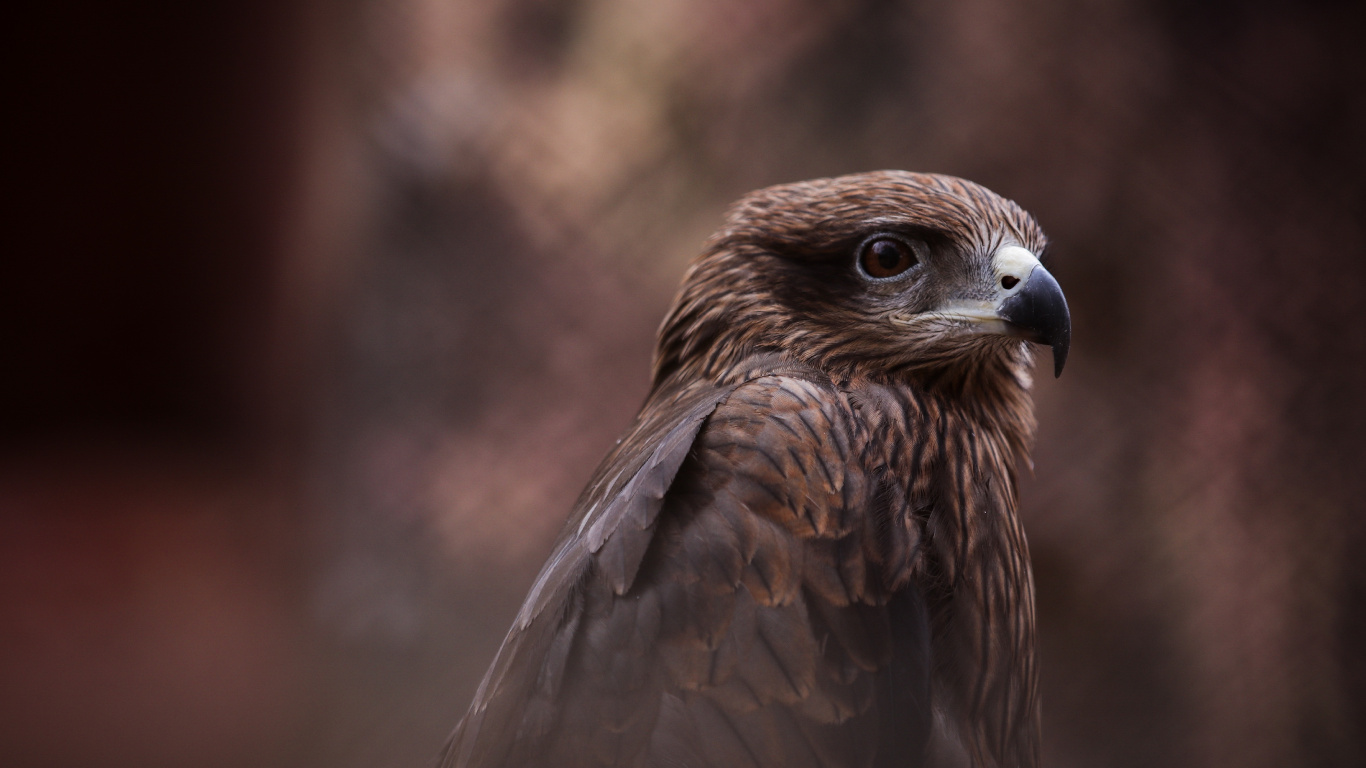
(883, 258)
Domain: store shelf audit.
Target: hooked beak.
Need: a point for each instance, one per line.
(1036, 309)
(1028, 304)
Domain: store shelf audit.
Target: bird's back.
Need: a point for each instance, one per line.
(753, 628)
(757, 607)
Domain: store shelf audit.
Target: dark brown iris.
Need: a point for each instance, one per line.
(886, 257)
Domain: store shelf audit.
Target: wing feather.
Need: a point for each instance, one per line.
(715, 599)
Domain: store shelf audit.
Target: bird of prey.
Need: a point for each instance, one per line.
(806, 550)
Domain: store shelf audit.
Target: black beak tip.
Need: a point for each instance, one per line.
(1060, 356)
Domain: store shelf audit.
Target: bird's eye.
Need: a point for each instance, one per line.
(886, 257)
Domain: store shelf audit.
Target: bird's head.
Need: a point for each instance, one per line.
(884, 274)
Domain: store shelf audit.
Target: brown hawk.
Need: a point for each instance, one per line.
(806, 551)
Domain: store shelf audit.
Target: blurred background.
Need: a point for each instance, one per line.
(317, 316)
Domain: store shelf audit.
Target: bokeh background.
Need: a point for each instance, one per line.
(317, 316)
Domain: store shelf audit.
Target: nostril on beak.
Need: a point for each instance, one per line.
(1009, 281)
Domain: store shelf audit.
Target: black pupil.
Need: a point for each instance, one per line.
(888, 254)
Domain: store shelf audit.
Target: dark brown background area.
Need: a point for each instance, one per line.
(316, 317)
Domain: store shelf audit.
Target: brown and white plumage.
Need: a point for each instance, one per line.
(806, 550)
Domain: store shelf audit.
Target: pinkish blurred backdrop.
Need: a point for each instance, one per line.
(317, 316)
